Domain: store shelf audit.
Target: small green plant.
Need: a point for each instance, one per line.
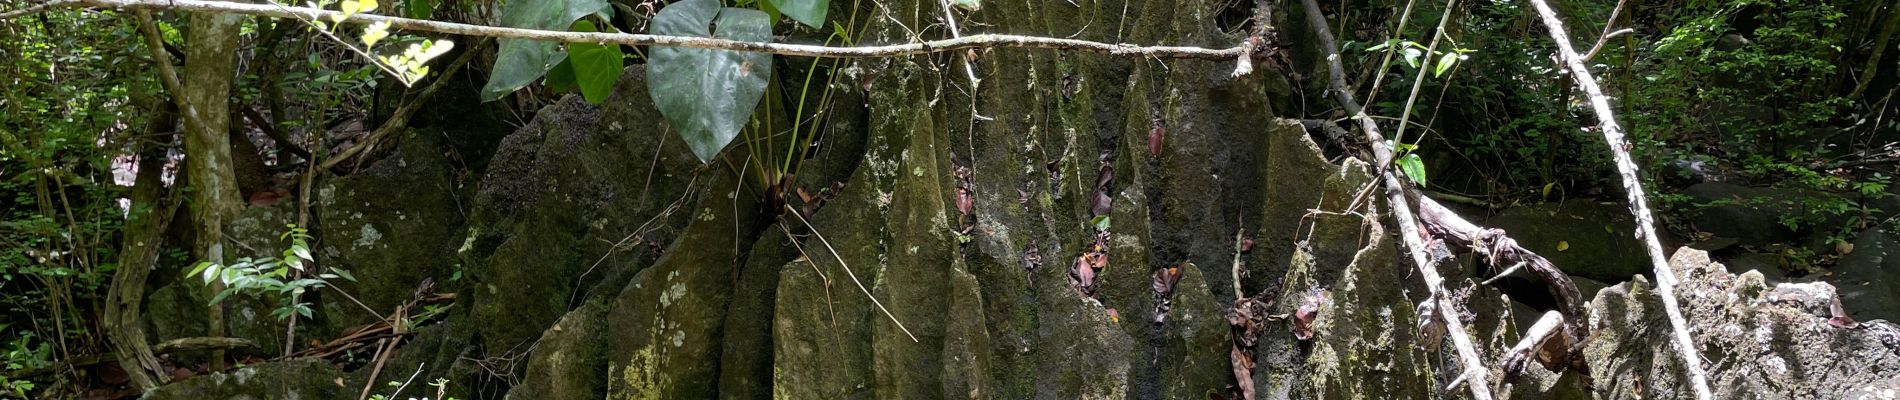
(23, 352)
(406, 66)
(441, 386)
(272, 275)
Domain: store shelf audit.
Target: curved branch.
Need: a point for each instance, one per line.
(637, 39)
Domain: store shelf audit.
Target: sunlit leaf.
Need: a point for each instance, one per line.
(595, 66)
(375, 33)
(343, 273)
(1444, 63)
(1414, 167)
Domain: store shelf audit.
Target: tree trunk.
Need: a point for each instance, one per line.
(210, 62)
(1887, 28)
(153, 207)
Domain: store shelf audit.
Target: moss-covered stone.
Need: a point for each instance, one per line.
(392, 225)
(745, 362)
(664, 329)
(966, 347)
(570, 361)
(571, 206)
(290, 379)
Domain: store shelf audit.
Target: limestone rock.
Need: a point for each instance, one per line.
(1757, 345)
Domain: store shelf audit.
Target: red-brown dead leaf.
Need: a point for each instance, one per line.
(1156, 133)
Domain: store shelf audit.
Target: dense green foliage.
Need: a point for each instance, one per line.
(72, 101)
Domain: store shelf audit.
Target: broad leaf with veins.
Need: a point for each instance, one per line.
(708, 95)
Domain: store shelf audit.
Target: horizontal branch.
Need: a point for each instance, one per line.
(637, 39)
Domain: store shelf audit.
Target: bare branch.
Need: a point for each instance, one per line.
(1474, 370)
(1605, 39)
(636, 39)
(1639, 204)
(29, 10)
(1607, 34)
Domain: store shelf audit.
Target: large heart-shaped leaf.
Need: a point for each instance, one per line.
(521, 61)
(809, 12)
(708, 95)
(596, 66)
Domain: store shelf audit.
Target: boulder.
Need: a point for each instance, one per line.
(1761, 341)
(571, 205)
(1869, 278)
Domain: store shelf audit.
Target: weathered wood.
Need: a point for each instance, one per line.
(1500, 250)
(1639, 204)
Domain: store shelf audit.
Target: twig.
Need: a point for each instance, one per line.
(635, 39)
(1418, 81)
(270, 129)
(382, 354)
(1474, 370)
(847, 271)
(1607, 34)
(29, 10)
(1606, 38)
(405, 382)
(1639, 203)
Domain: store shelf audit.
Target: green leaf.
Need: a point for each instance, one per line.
(520, 61)
(1411, 56)
(1414, 168)
(595, 66)
(200, 268)
(968, 5)
(708, 95)
(342, 273)
(1101, 222)
(418, 9)
(302, 251)
(220, 296)
(1444, 63)
(809, 12)
(561, 78)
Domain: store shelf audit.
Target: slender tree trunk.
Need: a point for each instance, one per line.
(1887, 29)
(152, 209)
(210, 62)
